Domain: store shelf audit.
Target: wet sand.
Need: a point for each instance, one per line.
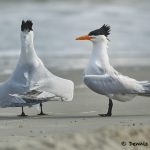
(80, 115)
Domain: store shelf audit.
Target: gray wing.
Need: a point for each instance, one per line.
(35, 97)
(116, 84)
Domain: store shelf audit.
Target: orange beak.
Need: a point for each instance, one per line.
(84, 37)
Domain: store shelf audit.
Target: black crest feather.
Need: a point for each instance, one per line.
(26, 25)
(104, 30)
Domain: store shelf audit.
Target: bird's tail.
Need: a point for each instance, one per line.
(146, 87)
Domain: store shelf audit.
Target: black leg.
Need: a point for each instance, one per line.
(22, 114)
(41, 113)
(109, 113)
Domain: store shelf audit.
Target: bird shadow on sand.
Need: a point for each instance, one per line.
(49, 116)
(12, 117)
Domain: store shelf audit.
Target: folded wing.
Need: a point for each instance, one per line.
(114, 84)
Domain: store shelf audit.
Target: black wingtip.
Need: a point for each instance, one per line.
(104, 30)
(26, 25)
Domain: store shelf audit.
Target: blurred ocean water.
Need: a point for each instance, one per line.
(57, 23)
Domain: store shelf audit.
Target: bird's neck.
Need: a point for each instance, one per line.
(100, 54)
(99, 59)
(28, 53)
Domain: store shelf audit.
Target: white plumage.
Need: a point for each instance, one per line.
(31, 82)
(102, 78)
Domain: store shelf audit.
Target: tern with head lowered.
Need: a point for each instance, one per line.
(31, 82)
(103, 79)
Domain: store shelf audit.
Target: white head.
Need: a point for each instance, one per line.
(98, 35)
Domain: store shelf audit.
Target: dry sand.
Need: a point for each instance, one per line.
(61, 128)
(103, 139)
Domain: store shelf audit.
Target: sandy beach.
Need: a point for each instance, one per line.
(76, 125)
(110, 138)
(80, 115)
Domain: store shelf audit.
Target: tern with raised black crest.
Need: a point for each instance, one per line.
(103, 79)
(31, 82)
